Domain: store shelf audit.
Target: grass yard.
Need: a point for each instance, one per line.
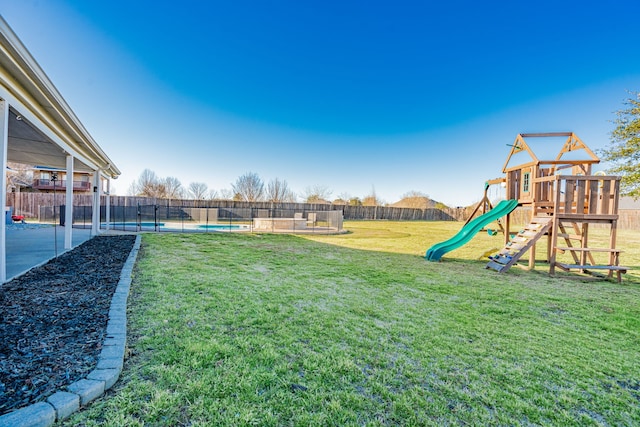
(360, 330)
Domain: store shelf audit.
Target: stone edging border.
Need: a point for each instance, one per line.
(62, 404)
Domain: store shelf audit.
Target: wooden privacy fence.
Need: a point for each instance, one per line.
(400, 214)
(29, 204)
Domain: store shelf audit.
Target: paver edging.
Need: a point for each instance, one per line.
(61, 404)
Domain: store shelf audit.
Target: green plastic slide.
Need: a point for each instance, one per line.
(435, 252)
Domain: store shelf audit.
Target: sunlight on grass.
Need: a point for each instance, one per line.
(359, 329)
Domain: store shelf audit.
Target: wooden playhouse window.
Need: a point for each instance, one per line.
(525, 182)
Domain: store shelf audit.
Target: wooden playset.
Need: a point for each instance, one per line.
(564, 199)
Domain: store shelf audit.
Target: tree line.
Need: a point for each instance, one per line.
(250, 187)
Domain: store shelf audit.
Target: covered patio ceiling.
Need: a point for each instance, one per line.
(27, 145)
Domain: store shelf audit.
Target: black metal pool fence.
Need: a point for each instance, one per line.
(163, 218)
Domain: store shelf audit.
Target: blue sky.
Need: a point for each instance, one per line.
(357, 97)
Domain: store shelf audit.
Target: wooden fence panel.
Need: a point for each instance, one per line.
(29, 204)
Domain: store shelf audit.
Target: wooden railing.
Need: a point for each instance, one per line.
(48, 184)
(571, 195)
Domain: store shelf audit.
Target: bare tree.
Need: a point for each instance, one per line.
(278, 192)
(317, 194)
(147, 182)
(212, 195)
(148, 185)
(173, 188)
(248, 187)
(198, 190)
(133, 189)
(226, 194)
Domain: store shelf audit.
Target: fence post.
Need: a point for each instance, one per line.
(155, 217)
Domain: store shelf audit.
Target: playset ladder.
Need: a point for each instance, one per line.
(582, 255)
(578, 236)
(520, 244)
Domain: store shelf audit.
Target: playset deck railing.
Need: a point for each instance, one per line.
(589, 197)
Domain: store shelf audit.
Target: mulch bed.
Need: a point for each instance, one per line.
(53, 320)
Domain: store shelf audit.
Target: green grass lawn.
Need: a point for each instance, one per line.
(358, 329)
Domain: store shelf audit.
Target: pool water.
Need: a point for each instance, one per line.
(222, 227)
(133, 224)
(177, 226)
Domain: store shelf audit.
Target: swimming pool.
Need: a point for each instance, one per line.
(176, 226)
(222, 227)
(132, 224)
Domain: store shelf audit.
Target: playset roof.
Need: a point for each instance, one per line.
(573, 144)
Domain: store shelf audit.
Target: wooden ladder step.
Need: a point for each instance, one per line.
(592, 267)
(528, 233)
(517, 247)
(570, 236)
(502, 258)
(496, 266)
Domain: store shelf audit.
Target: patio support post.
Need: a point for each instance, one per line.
(68, 211)
(95, 212)
(4, 142)
(107, 207)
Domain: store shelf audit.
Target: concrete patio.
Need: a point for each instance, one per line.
(31, 245)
